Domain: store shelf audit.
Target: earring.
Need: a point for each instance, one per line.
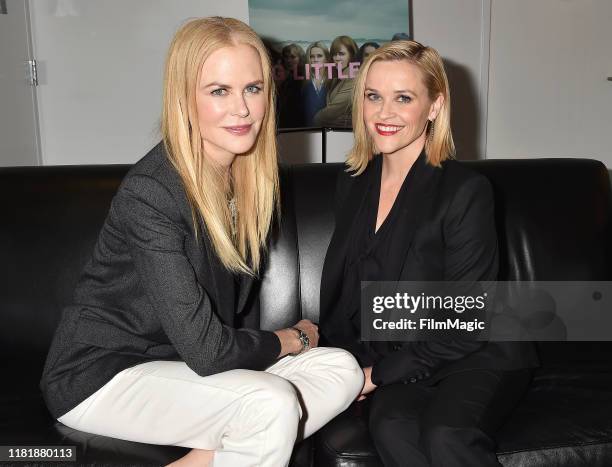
(431, 130)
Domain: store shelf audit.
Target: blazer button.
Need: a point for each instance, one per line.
(413, 380)
(397, 347)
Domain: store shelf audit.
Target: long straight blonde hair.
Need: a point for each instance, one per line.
(439, 144)
(254, 175)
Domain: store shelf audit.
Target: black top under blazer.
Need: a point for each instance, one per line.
(152, 290)
(449, 234)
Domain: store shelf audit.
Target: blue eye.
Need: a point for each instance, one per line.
(404, 99)
(219, 92)
(372, 96)
(253, 89)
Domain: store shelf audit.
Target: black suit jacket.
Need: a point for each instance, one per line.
(449, 230)
(151, 291)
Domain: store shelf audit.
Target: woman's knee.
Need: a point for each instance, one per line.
(276, 398)
(284, 396)
(344, 366)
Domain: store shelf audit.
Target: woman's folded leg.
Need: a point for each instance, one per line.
(394, 425)
(449, 424)
(327, 381)
(247, 417)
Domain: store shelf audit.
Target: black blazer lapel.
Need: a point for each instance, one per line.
(198, 247)
(347, 213)
(333, 266)
(211, 275)
(418, 200)
(246, 285)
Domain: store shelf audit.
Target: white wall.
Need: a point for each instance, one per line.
(459, 30)
(92, 112)
(542, 92)
(549, 95)
(304, 147)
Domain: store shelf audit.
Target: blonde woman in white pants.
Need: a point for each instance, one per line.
(149, 351)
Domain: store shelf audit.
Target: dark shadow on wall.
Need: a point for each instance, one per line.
(465, 112)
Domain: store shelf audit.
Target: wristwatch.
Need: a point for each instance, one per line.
(303, 337)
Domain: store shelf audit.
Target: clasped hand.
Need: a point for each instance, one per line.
(290, 342)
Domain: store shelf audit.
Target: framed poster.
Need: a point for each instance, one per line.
(317, 48)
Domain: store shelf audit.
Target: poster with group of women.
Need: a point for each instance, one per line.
(317, 48)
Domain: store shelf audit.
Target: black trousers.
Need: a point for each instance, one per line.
(448, 424)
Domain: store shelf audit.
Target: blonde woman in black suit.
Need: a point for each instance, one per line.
(406, 211)
(149, 351)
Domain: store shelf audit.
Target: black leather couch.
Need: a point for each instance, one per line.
(553, 218)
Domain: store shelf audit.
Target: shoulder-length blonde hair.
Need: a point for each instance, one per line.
(439, 144)
(255, 176)
(323, 47)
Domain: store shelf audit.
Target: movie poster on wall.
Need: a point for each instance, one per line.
(317, 47)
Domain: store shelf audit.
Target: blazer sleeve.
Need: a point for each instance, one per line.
(470, 255)
(155, 236)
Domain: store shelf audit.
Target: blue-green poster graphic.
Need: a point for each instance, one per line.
(317, 48)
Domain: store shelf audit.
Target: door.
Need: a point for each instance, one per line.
(550, 92)
(18, 116)
(101, 65)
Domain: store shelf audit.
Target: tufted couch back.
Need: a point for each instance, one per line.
(553, 217)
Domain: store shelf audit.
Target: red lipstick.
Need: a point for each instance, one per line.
(387, 130)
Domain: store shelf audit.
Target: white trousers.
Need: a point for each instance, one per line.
(249, 418)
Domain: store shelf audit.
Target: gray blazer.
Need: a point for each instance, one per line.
(152, 290)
